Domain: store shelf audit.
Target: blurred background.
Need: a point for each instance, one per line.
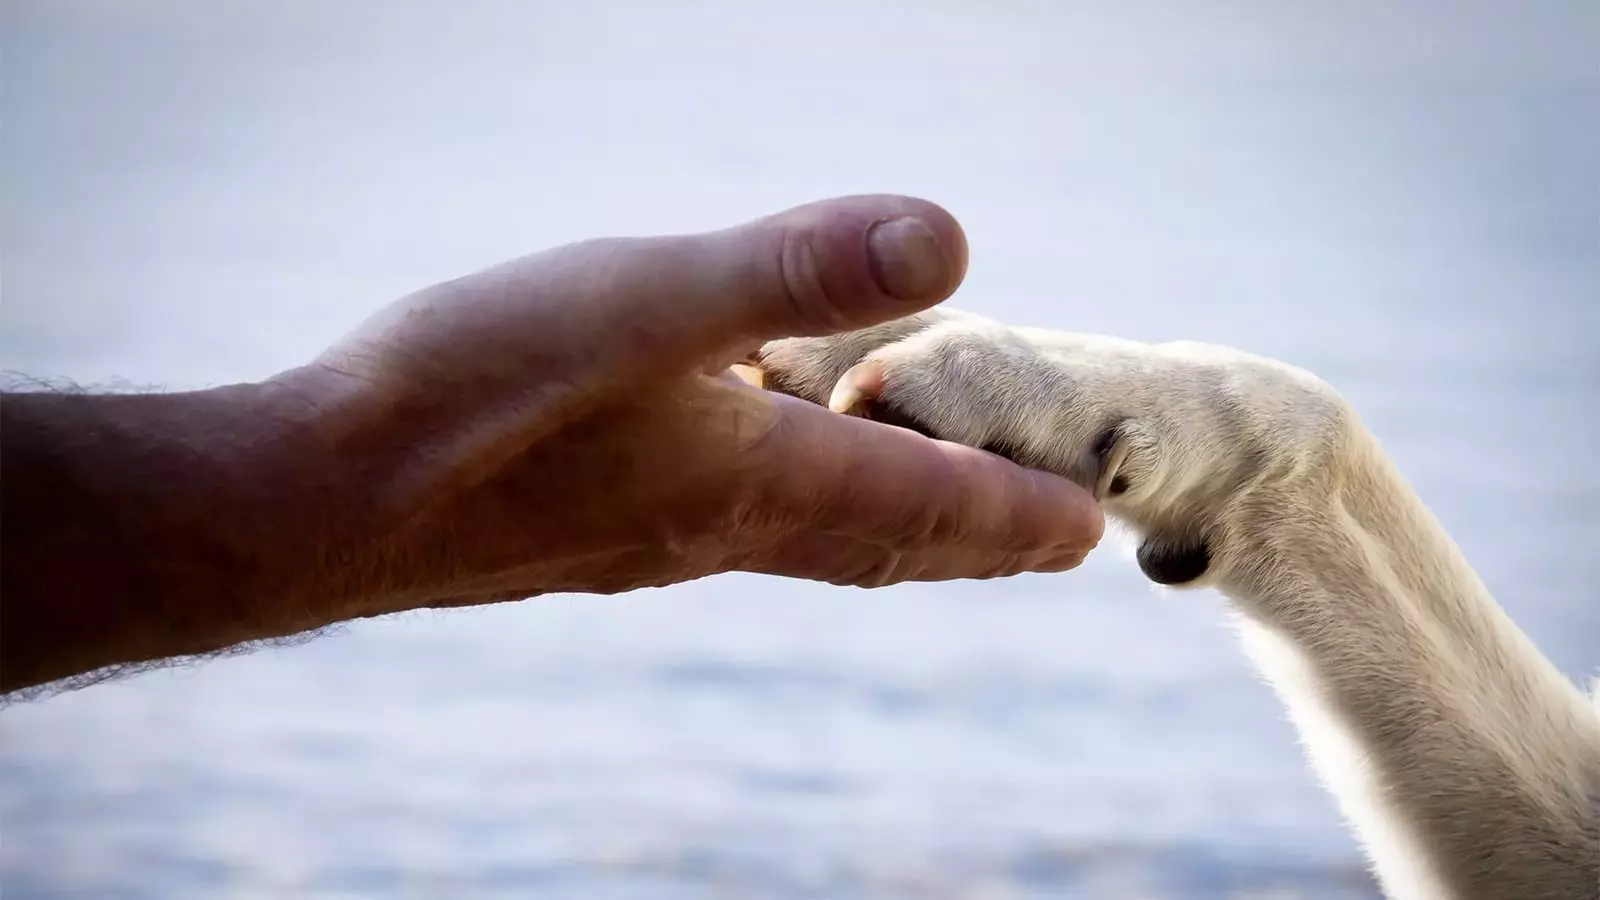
(1402, 197)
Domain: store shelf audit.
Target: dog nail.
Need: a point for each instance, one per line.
(859, 386)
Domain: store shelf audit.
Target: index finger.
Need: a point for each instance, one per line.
(848, 476)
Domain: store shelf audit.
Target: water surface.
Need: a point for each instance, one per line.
(1399, 199)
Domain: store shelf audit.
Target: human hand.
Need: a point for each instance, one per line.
(565, 423)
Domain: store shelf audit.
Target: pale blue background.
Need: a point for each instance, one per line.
(1400, 196)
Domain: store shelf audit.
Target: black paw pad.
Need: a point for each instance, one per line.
(1174, 560)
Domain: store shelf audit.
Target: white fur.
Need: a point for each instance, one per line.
(1465, 763)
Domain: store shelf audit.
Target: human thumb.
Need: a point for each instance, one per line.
(476, 368)
(675, 302)
(826, 267)
(612, 313)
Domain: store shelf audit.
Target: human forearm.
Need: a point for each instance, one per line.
(140, 527)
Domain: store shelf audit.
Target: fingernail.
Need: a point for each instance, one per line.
(907, 261)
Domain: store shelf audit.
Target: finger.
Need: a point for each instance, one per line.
(540, 340)
(823, 268)
(845, 561)
(887, 485)
(631, 307)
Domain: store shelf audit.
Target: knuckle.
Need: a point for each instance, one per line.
(806, 299)
(889, 569)
(949, 526)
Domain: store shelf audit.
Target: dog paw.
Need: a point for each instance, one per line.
(962, 378)
(1170, 438)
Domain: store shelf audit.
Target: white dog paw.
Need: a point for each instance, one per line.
(1173, 439)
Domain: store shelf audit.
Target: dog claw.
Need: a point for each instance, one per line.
(856, 388)
(751, 375)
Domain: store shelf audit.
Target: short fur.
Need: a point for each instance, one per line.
(1466, 764)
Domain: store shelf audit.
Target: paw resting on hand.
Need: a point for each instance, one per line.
(1171, 438)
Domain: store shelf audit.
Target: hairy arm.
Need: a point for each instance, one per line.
(146, 526)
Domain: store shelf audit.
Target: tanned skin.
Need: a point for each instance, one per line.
(564, 422)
